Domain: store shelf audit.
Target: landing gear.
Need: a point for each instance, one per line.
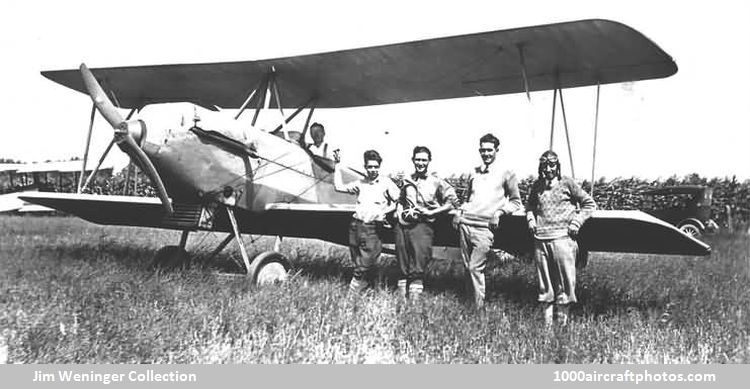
(269, 267)
(173, 257)
(265, 268)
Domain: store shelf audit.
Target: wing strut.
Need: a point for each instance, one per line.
(294, 114)
(567, 135)
(596, 130)
(261, 99)
(98, 165)
(523, 71)
(86, 150)
(101, 159)
(307, 123)
(552, 127)
(249, 97)
(132, 169)
(274, 86)
(236, 230)
(269, 87)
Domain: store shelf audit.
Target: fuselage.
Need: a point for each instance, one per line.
(249, 172)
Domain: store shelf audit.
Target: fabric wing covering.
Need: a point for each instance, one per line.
(562, 55)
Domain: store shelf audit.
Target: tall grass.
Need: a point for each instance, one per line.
(74, 292)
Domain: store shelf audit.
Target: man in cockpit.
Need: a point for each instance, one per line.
(319, 146)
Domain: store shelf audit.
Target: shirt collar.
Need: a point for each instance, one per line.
(369, 181)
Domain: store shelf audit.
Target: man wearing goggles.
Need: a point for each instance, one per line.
(555, 211)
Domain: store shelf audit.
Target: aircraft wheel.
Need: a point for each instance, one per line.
(171, 257)
(269, 267)
(690, 229)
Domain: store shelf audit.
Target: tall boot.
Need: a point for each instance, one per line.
(402, 291)
(562, 315)
(548, 310)
(415, 290)
(357, 285)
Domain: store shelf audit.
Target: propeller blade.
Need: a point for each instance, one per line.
(102, 102)
(123, 138)
(135, 152)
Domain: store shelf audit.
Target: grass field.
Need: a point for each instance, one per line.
(75, 292)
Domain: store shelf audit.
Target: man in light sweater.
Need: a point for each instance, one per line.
(555, 211)
(492, 192)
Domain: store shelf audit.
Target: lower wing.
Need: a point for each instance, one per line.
(319, 221)
(605, 231)
(609, 231)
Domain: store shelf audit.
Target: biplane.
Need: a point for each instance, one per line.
(17, 179)
(239, 181)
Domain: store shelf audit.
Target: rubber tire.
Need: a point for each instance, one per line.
(690, 229)
(269, 267)
(171, 258)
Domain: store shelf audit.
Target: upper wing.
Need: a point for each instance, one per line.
(567, 55)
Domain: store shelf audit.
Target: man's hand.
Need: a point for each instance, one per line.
(495, 220)
(532, 226)
(426, 212)
(573, 230)
(336, 156)
(456, 222)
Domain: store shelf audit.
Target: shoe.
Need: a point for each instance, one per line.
(357, 285)
(402, 285)
(562, 315)
(548, 309)
(415, 290)
(479, 303)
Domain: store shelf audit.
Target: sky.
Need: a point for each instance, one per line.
(695, 121)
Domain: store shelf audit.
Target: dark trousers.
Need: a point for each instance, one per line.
(413, 249)
(365, 246)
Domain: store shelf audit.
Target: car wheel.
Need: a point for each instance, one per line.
(690, 229)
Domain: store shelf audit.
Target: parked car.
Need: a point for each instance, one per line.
(688, 207)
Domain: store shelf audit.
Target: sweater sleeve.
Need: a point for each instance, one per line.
(514, 195)
(584, 200)
(447, 193)
(532, 202)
